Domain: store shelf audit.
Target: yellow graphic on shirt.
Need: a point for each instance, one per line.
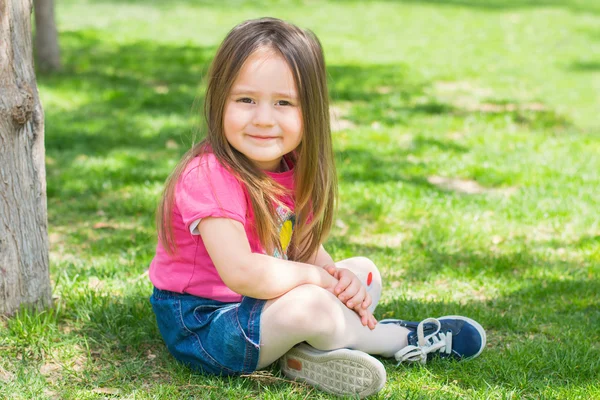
(286, 230)
(285, 235)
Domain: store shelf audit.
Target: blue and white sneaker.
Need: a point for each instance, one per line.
(451, 336)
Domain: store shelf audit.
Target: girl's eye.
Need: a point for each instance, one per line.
(284, 103)
(246, 100)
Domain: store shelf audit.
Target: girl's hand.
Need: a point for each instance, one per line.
(329, 281)
(365, 315)
(349, 289)
(352, 293)
(366, 318)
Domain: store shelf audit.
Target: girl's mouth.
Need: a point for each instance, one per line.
(262, 138)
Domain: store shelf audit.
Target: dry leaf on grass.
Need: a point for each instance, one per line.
(267, 377)
(111, 391)
(104, 225)
(6, 376)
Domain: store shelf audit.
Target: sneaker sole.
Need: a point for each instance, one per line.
(476, 325)
(341, 372)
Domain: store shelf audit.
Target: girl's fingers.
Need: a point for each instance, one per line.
(350, 292)
(358, 298)
(342, 285)
(366, 318)
(372, 322)
(330, 269)
(367, 301)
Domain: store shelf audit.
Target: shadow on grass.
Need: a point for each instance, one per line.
(132, 105)
(121, 331)
(118, 126)
(586, 66)
(119, 91)
(123, 115)
(541, 334)
(369, 165)
(543, 327)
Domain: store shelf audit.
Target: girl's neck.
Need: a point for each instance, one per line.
(283, 166)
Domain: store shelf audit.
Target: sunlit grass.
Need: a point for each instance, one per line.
(467, 144)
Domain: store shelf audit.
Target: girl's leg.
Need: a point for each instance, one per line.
(312, 314)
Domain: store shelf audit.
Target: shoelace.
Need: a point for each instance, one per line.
(437, 341)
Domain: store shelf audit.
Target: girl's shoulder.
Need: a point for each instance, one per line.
(206, 188)
(206, 163)
(206, 167)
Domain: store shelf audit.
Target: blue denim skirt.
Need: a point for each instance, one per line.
(208, 335)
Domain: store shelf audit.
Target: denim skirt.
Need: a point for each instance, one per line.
(208, 335)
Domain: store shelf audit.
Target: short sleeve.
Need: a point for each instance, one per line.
(206, 189)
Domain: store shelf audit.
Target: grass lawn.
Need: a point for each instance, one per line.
(467, 135)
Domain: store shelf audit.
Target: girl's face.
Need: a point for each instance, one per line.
(262, 118)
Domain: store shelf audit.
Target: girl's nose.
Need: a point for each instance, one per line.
(263, 115)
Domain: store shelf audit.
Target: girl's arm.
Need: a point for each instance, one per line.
(251, 274)
(321, 258)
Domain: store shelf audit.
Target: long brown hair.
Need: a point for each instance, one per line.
(314, 172)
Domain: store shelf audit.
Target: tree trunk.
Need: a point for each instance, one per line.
(47, 53)
(24, 277)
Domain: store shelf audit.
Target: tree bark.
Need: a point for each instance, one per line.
(47, 52)
(24, 276)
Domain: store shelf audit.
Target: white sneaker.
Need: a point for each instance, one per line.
(341, 372)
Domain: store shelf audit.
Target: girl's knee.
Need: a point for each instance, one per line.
(365, 269)
(309, 307)
(310, 298)
(369, 275)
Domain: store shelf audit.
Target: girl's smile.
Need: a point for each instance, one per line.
(262, 118)
(262, 138)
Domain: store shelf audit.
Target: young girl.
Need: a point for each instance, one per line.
(240, 273)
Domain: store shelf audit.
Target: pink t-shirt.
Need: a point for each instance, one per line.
(207, 189)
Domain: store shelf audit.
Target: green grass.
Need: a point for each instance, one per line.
(468, 164)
